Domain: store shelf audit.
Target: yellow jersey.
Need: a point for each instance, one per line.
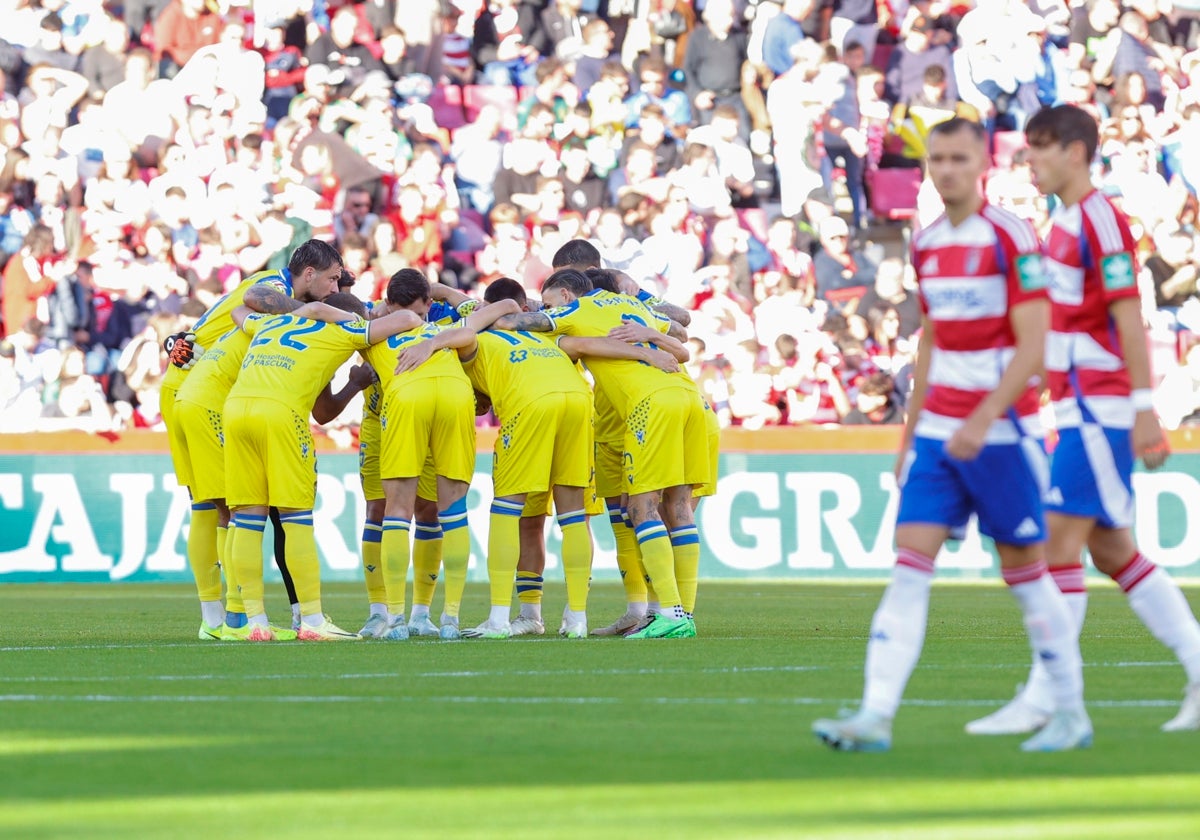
(212, 377)
(382, 357)
(516, 368)
(624, 382)
(292, 359)
(218, 320)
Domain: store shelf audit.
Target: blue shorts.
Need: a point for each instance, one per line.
(1001, 486)
(1091, 475)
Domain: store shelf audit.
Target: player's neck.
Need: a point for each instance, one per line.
(1076, 189)
(959, 212)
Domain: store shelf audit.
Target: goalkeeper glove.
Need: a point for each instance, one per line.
(182, 350)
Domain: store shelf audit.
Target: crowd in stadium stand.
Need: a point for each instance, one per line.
(757, 163)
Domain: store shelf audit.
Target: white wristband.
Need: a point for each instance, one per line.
(1143, 399)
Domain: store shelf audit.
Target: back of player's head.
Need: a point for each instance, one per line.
(578, 253)
(347, 303)
(314, 254)
(954, 125)
(1064, 125)
(575, 282)
(604, 279)
(407, 286)
(505, 288)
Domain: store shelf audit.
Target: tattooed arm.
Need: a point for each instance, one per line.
(528, 321)
(262, 298)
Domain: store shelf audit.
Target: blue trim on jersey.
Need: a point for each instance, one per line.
(644, 296)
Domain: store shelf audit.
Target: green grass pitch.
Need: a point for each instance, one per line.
(116, 722)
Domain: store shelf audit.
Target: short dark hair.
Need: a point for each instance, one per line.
(407, 286)
(573, 281)
(314, 254)
(954, 125)
(578, 253)
(347, 303)
(1064, 125)
(934, 74)
(604, 279)
(346, 280)
(505, 288)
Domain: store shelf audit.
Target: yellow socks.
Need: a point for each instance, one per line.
(372, 561)
(685, 545)
(395, 551)
(504, 549)
(629, 560)
(659, 561)
(248, 561)
(576, 557)
(456, 553)
(202, 550)
(302, 560)
(426, 560)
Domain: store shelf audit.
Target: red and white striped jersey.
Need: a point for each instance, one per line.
(970, 277)
(1089, 257)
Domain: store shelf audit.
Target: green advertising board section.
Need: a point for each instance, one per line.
(783, 515)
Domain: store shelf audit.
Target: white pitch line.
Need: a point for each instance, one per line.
(482, 674)
(533, 701)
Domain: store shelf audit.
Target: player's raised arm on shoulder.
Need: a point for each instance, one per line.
(635, 333)
(527, 321)
(610, 348)
(240, 314)
(461, 339)
(676, 313)
(487, 316)
(447, 294)
(1149, 441)
(386, 326)
(677, 331)
(261, 297)
(317, 311)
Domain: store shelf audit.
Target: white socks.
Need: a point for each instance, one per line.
(1051, 630)
(897, 633)
(1162, 608)
(212, 613)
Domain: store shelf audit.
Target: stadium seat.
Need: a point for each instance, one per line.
(894, 192)
(503, 98)
(447, 104)
(1005, 145)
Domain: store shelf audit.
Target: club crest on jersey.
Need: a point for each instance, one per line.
(304, 450)
(1117, 271)
(1030, 272)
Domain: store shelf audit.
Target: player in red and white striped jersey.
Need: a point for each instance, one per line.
(1099, 376)
(971, 444)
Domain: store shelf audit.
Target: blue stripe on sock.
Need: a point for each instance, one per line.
(395, 525)
(248, 523)
(501, 507)
(203, 506)
(295, 514)
(428, 531)
(249, 517)
(528, 587)
(452, 523)
(372, 533)
(651, 530)
(573, 518)
(686, 540)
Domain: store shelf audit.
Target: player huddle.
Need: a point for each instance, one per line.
(245, 380)
(1002, 313)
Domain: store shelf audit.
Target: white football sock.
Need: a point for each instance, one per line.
(1052, 635)
(1162, 608)
(897, 633)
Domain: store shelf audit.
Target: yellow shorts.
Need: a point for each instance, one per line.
(202, 432)
(544, 445)
(270, 458)
(429, 416)
(713, 427)
(179, 460)
(370, 440)
(610, 476)
(666, 442)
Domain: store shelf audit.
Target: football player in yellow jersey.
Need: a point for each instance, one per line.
(426, 411)
(665, 448)
(312, 274)
(427, 551)
(269, 451)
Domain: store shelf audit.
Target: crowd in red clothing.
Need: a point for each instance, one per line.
(755, 162)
